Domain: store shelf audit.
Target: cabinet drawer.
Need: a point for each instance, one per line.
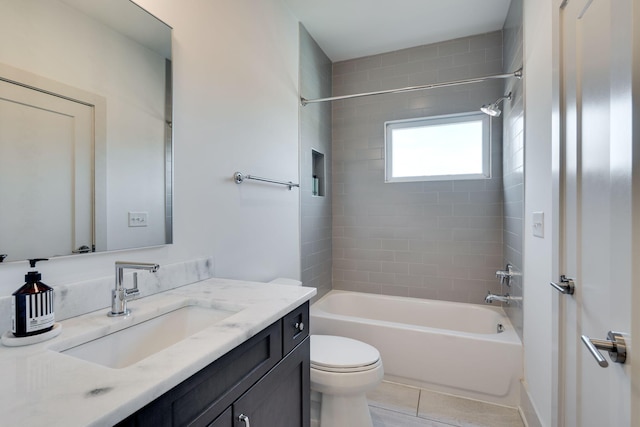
(295, 328)
(219, 384)
(203, 397)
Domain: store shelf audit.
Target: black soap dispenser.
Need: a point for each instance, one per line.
(32, 305)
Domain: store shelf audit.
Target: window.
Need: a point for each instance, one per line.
(455, 146)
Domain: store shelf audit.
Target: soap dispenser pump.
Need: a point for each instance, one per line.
(32, 305)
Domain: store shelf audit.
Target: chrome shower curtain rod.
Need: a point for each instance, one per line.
(517, 74)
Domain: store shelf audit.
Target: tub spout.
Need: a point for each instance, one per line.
(490, 298)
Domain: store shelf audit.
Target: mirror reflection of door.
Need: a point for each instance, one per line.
(58, 179)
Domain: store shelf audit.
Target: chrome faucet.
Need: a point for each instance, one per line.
(120, 295)
(501, 298)
(506, 275)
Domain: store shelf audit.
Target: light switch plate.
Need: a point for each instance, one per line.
(537, 220)
(138, 219)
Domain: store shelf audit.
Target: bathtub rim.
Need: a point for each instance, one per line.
(509, 336)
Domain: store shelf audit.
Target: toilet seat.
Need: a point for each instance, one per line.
(340, 354)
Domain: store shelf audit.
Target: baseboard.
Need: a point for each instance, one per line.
(527, 409)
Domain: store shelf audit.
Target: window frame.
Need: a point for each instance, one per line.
(434, 121)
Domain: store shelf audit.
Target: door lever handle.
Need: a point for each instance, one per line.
(614, 344)
(566, 285)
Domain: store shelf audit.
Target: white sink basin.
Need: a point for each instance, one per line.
(128, 346)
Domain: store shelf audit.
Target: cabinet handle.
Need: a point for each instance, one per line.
(299, 326)
(243, 418)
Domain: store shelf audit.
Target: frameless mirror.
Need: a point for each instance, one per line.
(85, 128)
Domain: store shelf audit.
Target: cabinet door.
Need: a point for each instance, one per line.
(282, 397)
(224, 420)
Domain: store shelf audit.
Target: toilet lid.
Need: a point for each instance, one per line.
(330, 352)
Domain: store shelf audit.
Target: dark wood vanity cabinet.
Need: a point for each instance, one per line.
(265, 379)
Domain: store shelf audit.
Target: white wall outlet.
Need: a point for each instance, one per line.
(537, 221)
(138, 219)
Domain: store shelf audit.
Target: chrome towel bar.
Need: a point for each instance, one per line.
(240, 177)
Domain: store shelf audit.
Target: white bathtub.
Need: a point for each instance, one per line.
(444, 346)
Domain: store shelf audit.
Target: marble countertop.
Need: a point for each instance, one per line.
(41, 386)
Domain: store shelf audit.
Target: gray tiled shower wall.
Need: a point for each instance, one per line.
(442, 239)
(513, 158)
(315, 134)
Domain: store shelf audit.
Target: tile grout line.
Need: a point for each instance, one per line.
(439, 421)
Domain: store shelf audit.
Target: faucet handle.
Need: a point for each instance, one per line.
(133, 292)
(506, 275)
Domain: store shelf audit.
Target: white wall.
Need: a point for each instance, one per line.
(538, 258)
(235, 108)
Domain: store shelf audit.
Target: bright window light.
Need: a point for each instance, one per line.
(438, 148)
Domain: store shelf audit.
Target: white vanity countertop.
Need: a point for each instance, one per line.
(40, 386)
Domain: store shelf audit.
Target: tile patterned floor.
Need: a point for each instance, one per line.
(397, 405)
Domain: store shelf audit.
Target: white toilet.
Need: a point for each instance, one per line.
(343, 370)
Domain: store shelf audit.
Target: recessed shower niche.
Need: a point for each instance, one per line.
(318, 173)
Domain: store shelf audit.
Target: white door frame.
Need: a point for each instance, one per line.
(99, 104)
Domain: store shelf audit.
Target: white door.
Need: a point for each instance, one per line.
(46, 145)
(596, 208)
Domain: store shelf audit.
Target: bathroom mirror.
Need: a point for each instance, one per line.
(85, 128)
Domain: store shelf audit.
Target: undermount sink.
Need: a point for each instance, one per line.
(130, 345)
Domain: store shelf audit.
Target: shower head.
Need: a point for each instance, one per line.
(492, 109)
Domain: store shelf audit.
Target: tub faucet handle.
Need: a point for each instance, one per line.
(506, 275)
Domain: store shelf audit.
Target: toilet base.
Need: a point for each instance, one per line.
(352, 411)
(316, 397)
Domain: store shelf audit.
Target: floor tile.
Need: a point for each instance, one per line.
(466, 412)
(385, 418)
(395, 397)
